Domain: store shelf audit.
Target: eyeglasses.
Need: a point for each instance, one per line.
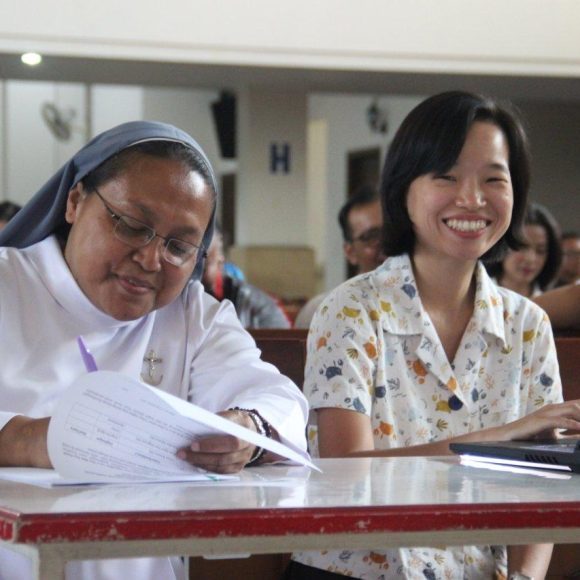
(137, 235)
(370, 237)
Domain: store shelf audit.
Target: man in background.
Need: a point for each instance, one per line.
(254, 307)
(361, 222)
(570, 268)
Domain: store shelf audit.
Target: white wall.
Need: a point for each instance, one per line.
(555, 142)
(32, 153)
(476, 36)
(271, 207)
(317, 154)
(189, 110)
(348, 131)
(114, 104)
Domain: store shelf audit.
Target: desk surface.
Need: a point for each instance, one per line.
(404, 499)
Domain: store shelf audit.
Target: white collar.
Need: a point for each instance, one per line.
(396, 273)
(48, 260)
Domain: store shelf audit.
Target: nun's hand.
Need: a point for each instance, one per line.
(221, 453)
(23, 442)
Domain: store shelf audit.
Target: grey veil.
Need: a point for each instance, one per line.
(44, 213)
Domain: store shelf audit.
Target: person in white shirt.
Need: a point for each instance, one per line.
(112, 248)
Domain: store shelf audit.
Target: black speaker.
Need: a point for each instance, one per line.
(224, 117)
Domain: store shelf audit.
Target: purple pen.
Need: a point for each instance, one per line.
(88, 358)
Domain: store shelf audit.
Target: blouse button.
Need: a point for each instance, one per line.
(455, 403)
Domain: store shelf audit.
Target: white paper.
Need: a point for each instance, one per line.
(109, 427)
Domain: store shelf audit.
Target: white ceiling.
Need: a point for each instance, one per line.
(235, 77)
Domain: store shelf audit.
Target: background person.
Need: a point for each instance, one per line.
(107, 249)
(361, 221)
(533, 268)
(426, 349)
(570, 268)
(254, 307)
(8, 210)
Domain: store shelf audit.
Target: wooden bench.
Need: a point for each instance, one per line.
(566, 557)
(285, 349)
(568, 348)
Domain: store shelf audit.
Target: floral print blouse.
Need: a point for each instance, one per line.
(373, 349)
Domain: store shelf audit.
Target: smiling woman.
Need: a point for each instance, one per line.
(112, 248)
(426, 349)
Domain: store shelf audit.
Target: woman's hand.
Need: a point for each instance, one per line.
(23, 442)
(221, 453)
(554, 421)
(546, 423)
(345, 433)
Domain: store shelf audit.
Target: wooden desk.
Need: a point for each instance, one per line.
(355, 503)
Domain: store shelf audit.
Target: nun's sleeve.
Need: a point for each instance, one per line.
(227, 372)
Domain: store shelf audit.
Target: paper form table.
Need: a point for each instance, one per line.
(355, 503)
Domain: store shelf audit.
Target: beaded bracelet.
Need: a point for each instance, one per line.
(262, 427)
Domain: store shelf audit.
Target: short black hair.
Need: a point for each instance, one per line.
(539, 215)
(430, 140)
(8, 209)
(362, 196)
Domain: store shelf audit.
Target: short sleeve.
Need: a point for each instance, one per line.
(343, 351)
(542, 364)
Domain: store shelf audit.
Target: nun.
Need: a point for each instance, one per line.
(112, 248)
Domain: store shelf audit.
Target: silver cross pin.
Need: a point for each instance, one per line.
(152, 360)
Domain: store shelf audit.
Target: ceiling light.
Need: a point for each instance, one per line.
(31, 58)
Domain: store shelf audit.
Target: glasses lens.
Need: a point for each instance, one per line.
(177, 252)
(133, 232)
(372, 236)
(136, 234)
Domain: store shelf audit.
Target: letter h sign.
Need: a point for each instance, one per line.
(279, 158)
